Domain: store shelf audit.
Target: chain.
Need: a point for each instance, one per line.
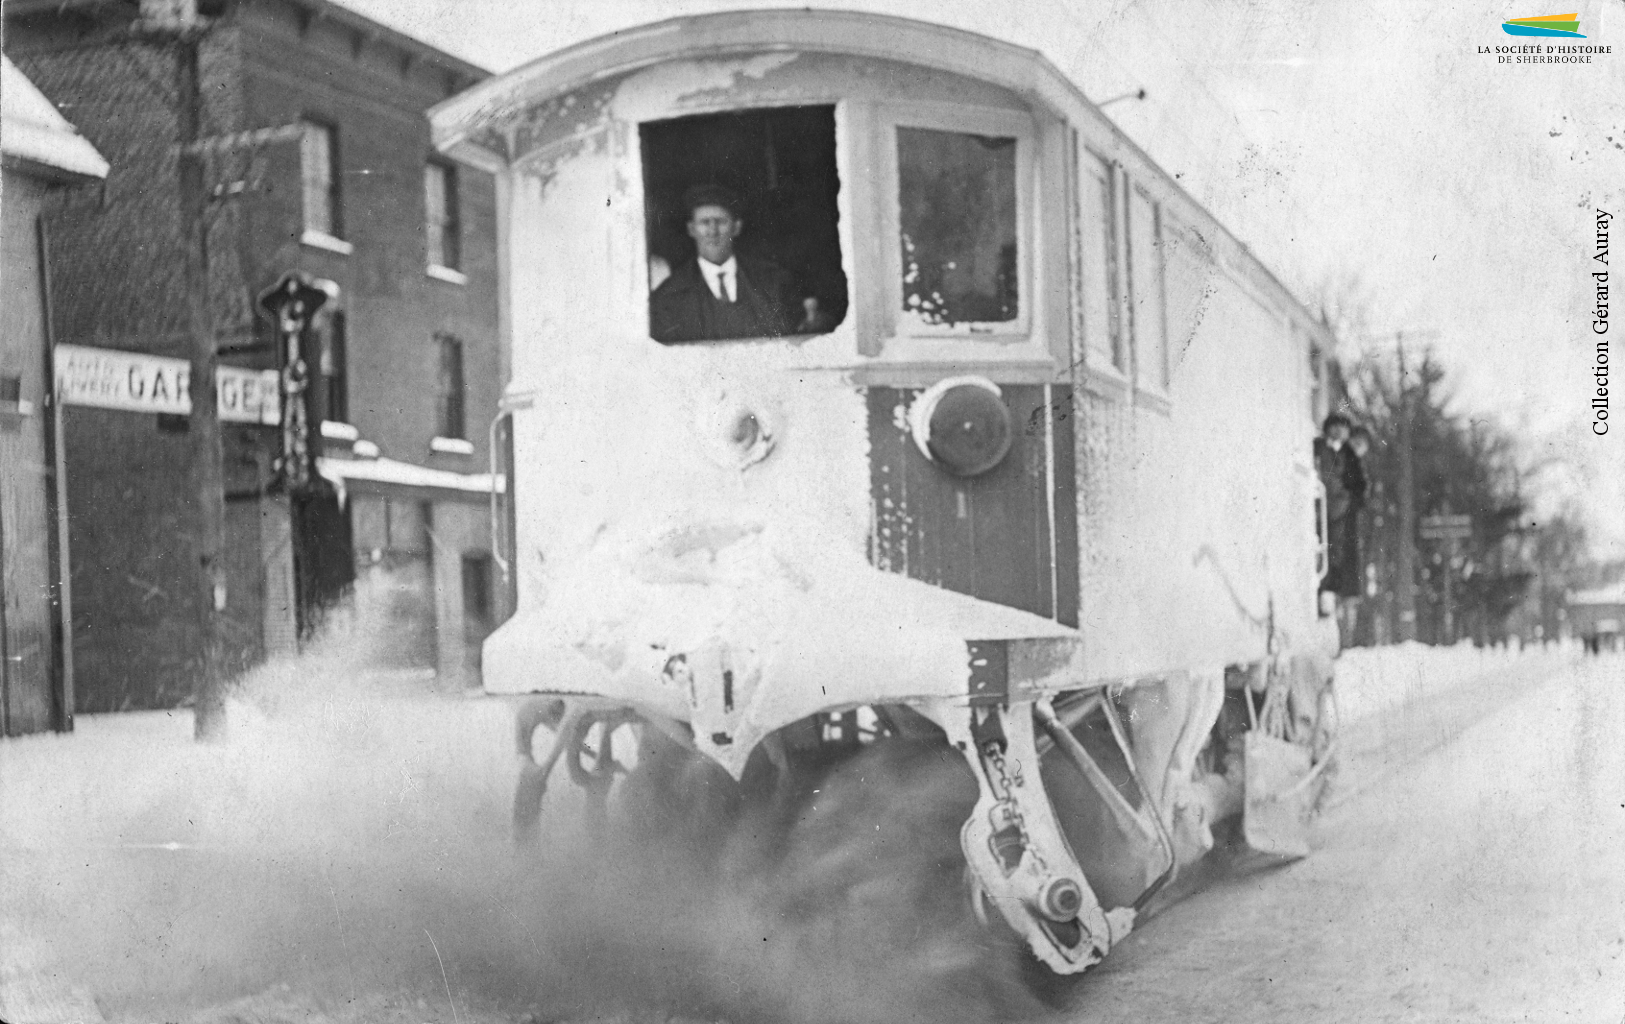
(1006, 802)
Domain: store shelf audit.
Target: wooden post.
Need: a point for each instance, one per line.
(1405, 585)
(209, 709)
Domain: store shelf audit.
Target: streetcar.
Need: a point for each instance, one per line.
(1013, 465)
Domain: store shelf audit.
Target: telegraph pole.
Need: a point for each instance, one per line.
(1405, 585)
(209, 489)
(209, 495)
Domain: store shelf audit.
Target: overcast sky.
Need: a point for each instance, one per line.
(1364, 147)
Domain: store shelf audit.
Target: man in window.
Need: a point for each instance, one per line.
(721, 294)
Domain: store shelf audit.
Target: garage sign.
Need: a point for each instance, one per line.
(110, 379)
(137, 382)
(248, 396)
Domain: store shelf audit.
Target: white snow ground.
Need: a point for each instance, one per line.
(345, 856)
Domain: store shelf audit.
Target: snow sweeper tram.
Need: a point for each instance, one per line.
(871, 390)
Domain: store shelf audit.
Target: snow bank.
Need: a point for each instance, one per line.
(1374, 681)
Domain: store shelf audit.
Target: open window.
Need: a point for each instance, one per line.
(777, 167)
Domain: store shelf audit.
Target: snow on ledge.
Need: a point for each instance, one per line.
(405, 474)
(33, 132)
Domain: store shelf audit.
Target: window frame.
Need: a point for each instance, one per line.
(333, 367)
(867, 344)
(452, 394)
(484, 566)
(1160, 380)
(451, 225)
(1038, 349)
(843, 111)
(1108, 246)
(902, 326)
(333, 193)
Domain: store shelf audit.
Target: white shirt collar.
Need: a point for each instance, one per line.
(714, 271)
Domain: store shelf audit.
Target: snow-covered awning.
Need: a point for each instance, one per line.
(383, 475)
(38, 139)
(1601, 596)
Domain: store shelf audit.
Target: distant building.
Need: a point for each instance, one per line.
(40, 154)
(297, 128)
(1597, 617)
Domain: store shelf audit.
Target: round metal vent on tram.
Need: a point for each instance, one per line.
(733, 432)
(962, 425)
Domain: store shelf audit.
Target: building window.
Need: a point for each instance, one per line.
(957, 218)
(318, 164)
(478, 598)
(1148, 316)
(335, 377)
(441, 225)
(450, 392)
(1101, 313)
(758, 187)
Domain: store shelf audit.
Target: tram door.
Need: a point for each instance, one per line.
(1008, 534)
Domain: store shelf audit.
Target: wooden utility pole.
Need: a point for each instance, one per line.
(1405, 584)
(208, 476)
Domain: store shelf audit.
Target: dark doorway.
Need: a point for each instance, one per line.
(780, 161)
(323, 554)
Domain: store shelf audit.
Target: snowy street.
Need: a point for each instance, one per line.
(347, 860)
(1468, 870)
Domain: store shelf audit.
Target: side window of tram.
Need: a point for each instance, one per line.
(1101, 314)
(1147, 313)
(742, 226)
(957, 218)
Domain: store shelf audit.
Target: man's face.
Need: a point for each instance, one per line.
(1337, 434)
(714, 229)
(1360, 443)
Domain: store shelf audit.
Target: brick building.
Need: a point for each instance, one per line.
(40, 155)
(251, 139)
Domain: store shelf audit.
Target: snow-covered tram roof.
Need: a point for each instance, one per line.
(479, 126)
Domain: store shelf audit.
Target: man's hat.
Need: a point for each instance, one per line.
(711, 195)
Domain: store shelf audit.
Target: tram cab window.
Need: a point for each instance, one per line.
(751, 194)
(957, 215)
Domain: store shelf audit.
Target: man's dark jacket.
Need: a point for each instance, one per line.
(683, 308)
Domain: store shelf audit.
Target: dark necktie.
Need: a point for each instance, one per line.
(722, 286)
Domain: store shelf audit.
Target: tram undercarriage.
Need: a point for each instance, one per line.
(1131, 786)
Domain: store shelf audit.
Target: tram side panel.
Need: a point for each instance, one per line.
(1195, 510)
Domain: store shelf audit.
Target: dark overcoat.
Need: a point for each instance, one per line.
(683, 308)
